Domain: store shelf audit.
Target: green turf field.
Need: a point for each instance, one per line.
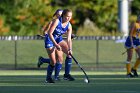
(32, 81)
(106, 76)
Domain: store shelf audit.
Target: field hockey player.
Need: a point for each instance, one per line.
(133, 42)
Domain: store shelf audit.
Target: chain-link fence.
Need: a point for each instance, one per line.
(91, 52)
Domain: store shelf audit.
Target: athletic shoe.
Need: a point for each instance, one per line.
(68, 77)
(129, 75)
(39, 61)
(134, 72)
(49, 80)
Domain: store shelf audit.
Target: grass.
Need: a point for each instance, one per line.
(32, 81)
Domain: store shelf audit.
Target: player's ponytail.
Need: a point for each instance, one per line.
(57, 12)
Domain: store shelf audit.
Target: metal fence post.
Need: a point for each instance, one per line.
(15, 54)
(97, 53)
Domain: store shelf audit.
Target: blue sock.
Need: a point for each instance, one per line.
(68, 63)
(45, 60)
(58, 67)
(49, 71)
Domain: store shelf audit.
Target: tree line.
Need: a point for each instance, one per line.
(26, 17)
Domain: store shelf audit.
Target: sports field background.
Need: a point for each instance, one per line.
(92, 54)
(107, 74)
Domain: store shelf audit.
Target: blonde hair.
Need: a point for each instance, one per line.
(65, 11)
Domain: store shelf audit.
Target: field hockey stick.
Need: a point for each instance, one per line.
(124, 52)
(86, 77)
(40, 36)
(72, 36)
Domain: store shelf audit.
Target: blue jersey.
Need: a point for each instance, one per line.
(57, 34)
(59, 30)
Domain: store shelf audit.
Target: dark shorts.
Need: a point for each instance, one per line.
(136, 42)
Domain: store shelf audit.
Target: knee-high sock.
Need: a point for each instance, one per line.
(68, 63)
(49, 71)
(45, 60)
(58, 67)
(128, 67)
(136, 64)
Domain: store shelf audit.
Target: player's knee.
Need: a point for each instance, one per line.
(53, 63)
(60, 60)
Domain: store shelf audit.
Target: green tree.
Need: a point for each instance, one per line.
(25, 17)
(104, 13)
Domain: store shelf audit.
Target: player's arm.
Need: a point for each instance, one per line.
(131, 34)
(69, 41)
(50, 33)
(46, 28)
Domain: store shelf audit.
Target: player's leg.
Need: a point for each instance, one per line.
(68, 62)
(42, 60)
(134, 69)
(51, 54)
(128, 62)
(129, 48)
(58, 65)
